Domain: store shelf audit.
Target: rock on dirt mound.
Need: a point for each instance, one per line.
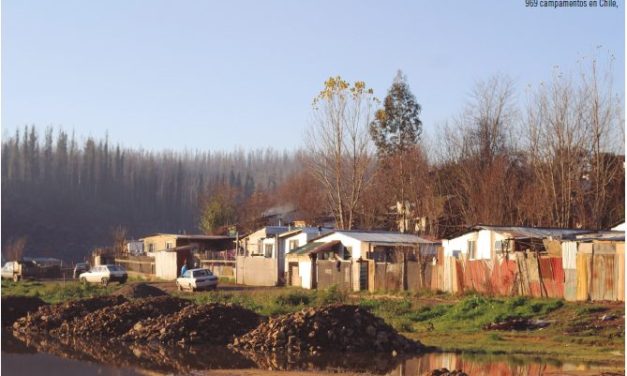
(14, 307)
(212, 323)
(336, 327)
(140, 290)
(446, 372)
(50, 317)
(112, 322)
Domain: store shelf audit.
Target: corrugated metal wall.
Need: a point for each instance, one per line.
(585, 271)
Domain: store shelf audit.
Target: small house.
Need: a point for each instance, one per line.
(484, 242)
(349, 258)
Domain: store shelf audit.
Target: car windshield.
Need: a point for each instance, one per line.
(115, 268)
(200, 273)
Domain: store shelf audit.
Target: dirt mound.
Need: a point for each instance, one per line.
(212, 323)
(336, 327)
(14, 307)
(115, 321)
(50, 317)
(140, 290)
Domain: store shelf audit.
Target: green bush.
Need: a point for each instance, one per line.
(295, 298)
(332, 295)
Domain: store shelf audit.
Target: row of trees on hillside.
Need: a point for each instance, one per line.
(62, 195)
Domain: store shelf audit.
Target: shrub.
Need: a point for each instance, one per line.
(332, 295)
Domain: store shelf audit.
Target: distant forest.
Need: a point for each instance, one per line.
(66, 197)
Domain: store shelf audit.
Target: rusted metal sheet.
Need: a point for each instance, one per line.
(583, 259)
(459, 276)
(536, 287)
(602, 284)
(476, 276)
(570, 284)
(619, 267)
(552, 275)
(503, 277)
(604, 248)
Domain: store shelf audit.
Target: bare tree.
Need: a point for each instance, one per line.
(340, 151)
(479, 171)
(574, 132)
(14, 250)
(119, 234)
(603, 120)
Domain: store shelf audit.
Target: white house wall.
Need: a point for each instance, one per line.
(485, 240)
(304, 271)
(347, 242)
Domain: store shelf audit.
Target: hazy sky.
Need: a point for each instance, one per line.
(218, 75)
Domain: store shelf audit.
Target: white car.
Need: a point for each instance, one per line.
(104, 274)
(197, 279)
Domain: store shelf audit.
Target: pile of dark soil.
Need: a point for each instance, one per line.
(50, 317)
(212, 323)
(337, 327)
(446, 372)
(14, 307)
(140, 290)
(112, 322)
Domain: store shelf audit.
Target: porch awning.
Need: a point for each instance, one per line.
(315, 247)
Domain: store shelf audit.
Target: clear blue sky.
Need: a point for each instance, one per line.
(218, 75)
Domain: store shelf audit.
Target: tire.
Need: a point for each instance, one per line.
(83, 281)
(123, 281)
(105, 282)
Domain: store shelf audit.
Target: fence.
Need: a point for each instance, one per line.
(220, 268)
(331, 272)
(256, 271)
(585, 271)
(137, 264)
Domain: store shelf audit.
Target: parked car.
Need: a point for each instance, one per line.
(80, 268)
(32, 268)
(9, 271)
(197, 279)
(104, 274)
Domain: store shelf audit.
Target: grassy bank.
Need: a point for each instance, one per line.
(55, 291)
(452, 323)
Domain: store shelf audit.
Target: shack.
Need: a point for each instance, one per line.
(200, 243)
(486, 242)
(259, 262)
(357, 260)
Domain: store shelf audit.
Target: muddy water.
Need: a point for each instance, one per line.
(50, 356)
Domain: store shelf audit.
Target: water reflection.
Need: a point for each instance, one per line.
(185, 360)
(154, 357)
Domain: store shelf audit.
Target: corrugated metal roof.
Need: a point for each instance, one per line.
(268, 231)
(602, 235)
(307, 230)
(380, 237)
(192, 237)
(516, 232)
